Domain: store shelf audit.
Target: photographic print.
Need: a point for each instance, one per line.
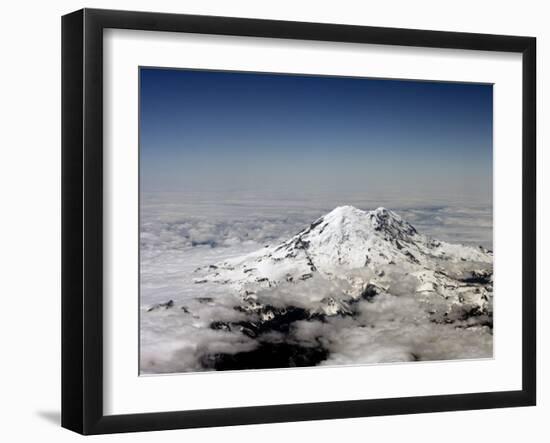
(294, 220)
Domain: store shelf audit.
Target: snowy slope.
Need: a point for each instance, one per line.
(367, 250)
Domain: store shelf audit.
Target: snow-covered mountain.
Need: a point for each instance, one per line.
(370, 251)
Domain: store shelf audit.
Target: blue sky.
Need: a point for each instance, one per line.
(212, 130)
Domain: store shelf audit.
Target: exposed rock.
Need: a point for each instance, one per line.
(159, 306)
(267, 355)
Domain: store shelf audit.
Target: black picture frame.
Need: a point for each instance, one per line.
(82, 218)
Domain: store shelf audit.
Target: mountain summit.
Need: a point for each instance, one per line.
(348, 239)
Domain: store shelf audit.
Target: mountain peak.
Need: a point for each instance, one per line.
(350, 218)
(342, 215)
(345, 210)
(383, 211)
(343, 240)
(392, 224)
(364, 249)
(352, 211)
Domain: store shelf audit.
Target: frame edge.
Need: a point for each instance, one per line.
(529, 192)
(72, 220)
